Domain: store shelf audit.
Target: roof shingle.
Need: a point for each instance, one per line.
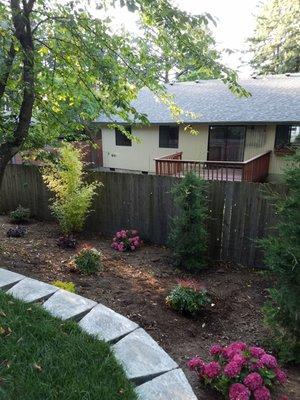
(275, 98)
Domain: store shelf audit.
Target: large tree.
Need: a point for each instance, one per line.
(60, 66)
(276, 41)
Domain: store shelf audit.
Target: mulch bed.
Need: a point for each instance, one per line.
(136, 285)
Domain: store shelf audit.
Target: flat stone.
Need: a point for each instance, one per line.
(8, 278)
(66, 305)
(106, 324)
(172, 385)
(30, 290)
(142, 358)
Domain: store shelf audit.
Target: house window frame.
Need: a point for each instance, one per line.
(160, 139)
(122, 140)
(280, 144)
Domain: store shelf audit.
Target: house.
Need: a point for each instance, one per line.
(238, 138)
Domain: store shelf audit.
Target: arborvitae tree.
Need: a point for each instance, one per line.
(282, 256)
(188, 237)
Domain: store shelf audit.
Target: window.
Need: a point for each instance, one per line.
(168, 136)
(121, 139)
(287, 135)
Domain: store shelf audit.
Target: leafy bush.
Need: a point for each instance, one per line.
(282, 256)
(240, 372)
(126, 240)
(88, 260)
(67, 242)
(73, 197)
(19, 231)
(188, 297)
(69, 286)
(188, 238)
(20, 215)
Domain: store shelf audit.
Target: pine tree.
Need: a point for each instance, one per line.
(282, 256)
(188, 237)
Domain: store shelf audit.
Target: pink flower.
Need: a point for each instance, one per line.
(132, 248)
(234, 348)
(232, 369)
(239, 359)
(262, 393)
(238, 391)
(281, 376)
(211, 370)
(118, 234)
(216, 349)
(253, 381)
(269, 361)
(195, 363)
(256, 365)
(121, 246)
(256, 352)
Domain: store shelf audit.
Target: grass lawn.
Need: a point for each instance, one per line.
(43, 358)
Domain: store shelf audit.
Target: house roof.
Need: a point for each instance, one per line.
(275, 99)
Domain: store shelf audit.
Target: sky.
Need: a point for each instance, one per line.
(235, 23)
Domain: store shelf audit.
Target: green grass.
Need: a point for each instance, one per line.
(43, 358)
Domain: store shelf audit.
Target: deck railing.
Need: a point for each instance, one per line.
(253, 170)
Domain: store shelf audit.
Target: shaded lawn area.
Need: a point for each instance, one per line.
(42, 357)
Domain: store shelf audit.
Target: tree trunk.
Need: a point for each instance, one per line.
(23, 33)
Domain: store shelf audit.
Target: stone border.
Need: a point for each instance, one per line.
(155, 374)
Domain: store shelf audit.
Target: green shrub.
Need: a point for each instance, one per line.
(88, 260)
(69, 286)
(187, 298)
(20, 215)
(188, 237)
(73, 197)
(282, 256)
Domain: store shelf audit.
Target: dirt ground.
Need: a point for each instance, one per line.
(136, 284)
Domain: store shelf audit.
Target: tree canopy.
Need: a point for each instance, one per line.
(61, 66)
(276, 41)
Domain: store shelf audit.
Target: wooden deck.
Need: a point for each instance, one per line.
(253, 170)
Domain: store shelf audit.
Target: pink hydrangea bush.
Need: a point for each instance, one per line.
(240, 372)
(126, 240)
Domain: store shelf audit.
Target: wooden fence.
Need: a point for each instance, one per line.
(239, 212)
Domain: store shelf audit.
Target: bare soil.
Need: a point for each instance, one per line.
(136, 284)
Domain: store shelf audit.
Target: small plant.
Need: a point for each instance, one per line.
(72, 196)
(20, 215)
(188, 237)
(188, 297)
(66, 242)
(126, 240)
(19, 231)
(88, 260)
(240, 372)
(69, 286)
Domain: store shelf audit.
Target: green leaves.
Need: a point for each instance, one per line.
(276, 41)
(84, 66)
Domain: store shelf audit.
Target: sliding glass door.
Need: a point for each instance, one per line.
(226, 143)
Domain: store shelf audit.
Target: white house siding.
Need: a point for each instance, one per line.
(140, 156)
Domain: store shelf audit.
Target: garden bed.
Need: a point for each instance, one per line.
(136, 284)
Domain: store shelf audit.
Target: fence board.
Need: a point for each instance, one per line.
(240, 213)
